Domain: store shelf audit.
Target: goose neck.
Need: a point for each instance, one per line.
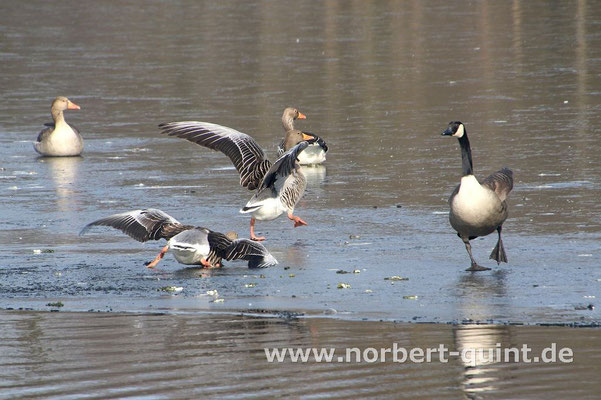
(57, 116)
(466, 155)
(290, 141)
(288, 122)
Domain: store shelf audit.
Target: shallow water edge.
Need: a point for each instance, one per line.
(123, 355)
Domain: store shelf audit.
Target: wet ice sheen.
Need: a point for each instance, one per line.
(378, 81)
(380, 101)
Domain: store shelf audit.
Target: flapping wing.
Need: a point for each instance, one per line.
(247, 156)
(219, 243)
(281, 150)
(241, 249)
(142, 225)
(501, 182)
(283, 166)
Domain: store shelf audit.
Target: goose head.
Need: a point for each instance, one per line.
(455, 128)
(288, 117)
(294, 137)
(61, 103)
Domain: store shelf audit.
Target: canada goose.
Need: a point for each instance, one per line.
(279, 185)
(59, 139)
(316, 152)
(191, 245)
(478, 209)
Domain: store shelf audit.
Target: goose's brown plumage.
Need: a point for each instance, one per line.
(279, 185)
(59, 139)
(316, 152)
(246, 154)
(190, 244)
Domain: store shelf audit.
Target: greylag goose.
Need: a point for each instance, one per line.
(478, 209)
(279, 186)
(316, 152)
(59, 139)
(191, 245)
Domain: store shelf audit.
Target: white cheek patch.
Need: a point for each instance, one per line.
(460, 131)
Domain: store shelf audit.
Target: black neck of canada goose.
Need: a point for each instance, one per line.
(466, 155)
(457, 129)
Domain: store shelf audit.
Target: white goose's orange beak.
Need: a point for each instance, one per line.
(301, 116)
(72, 106)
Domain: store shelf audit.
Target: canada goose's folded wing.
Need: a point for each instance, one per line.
(142, 225)
(247, 156)
(501, 182)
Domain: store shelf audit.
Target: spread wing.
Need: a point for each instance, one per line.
(281, 150)
(241, 249)
(219, 243)
(247, 156)
(283, 166)
(501, 182)
(142, 225)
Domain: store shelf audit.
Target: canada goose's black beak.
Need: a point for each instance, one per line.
(448, 132)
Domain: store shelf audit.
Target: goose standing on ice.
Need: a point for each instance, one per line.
(478, 209)
(191, 245)
(279, 186)
(60, 139)
(316, 152)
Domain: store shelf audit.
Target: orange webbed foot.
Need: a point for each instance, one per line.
(297, 221)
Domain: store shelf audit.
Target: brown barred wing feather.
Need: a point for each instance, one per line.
(246, 155)
(142, 225)
(241, 249)
(501, 182)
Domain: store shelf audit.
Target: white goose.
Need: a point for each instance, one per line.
(279, 185)
(316, 152)
(59, 139)
(191, 245)
(478, 209)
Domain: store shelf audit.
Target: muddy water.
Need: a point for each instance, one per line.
(103, 356)
(378, 81)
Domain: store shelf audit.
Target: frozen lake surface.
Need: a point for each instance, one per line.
(379, 82)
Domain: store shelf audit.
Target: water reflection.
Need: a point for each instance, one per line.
(64, 174)
(480, 342)
(482, 346)
(196, 272)
(475, 293)
(315, 174)
(70, 355)
(296, 254)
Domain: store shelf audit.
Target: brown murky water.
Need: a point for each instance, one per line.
(379, 81)
(105, 356)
